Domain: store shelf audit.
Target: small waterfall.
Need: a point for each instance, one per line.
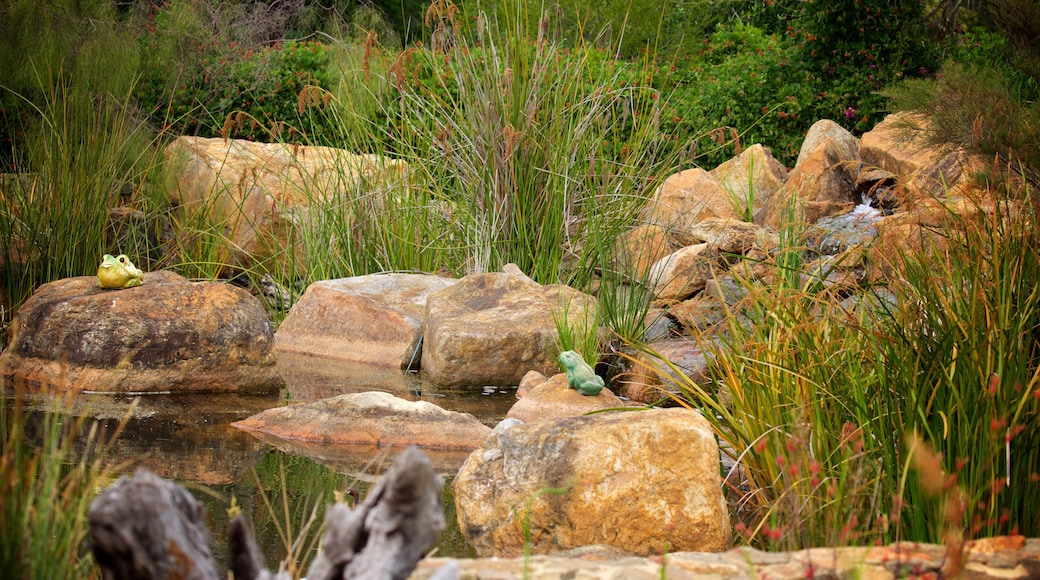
(837, 233)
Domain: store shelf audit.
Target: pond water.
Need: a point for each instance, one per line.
(188, 439)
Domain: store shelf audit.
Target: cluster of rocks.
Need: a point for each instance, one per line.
(551, 476)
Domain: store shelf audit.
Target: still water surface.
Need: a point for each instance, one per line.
(188, 439)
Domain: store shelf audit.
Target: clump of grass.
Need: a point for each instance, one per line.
(49, 473)
(84, 155)
(530, 148)
(963, 353)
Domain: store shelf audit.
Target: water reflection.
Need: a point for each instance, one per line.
(188, 439)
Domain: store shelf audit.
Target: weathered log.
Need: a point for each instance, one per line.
(386, 536)
(148, 528)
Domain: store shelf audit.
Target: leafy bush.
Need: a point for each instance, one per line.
(228, 89)
(982, 100)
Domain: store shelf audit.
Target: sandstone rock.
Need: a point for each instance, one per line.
(490, 329)
(683, 273)
(989, 558)
(261, 191)
(894, 145)
(951, 175)
(639, 248)
(686, 198)
(825, 129)
(818, 187)
(531, 380)
(733, 236)
(168, 335)
(372, 418)
(554, 399)
(375, 319)
(644, 482)
(751, 178)
(654, 378)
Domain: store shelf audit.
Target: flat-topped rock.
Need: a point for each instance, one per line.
(372, 418)
(168, 335)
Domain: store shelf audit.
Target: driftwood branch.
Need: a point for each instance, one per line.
(385, 536)
(148, 528)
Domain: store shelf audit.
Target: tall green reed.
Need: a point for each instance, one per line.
(50, 471)
(532, 147)
(86, 153)
(963, 352)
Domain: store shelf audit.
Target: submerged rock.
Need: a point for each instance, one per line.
(167, 335)
(643, 482)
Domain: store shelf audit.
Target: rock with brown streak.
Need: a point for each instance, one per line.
(375, 319)
(167, 335)
(490, 329)
(732, 236)
(644, 482)
(819, 186)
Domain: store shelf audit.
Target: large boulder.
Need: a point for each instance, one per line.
(372, 418)
(167, 335)
(899, 145)
(262, 191)
(492, 328)
(895, 145)
(819, 186)
(751, 179)
(375, 319)
(644, 482)
(688, 197)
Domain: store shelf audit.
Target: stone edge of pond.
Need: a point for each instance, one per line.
(998, 557)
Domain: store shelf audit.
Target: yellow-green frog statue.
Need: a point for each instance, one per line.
(118, 272)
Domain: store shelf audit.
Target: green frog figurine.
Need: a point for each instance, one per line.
(118, 272)
(580, 375)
